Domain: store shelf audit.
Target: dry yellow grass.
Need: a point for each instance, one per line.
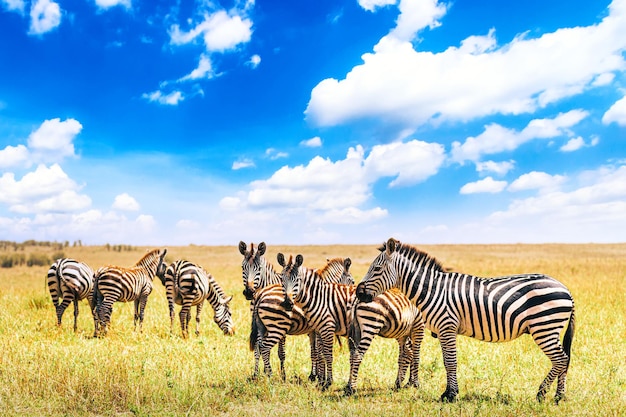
(50, 371)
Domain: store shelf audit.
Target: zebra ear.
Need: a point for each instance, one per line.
(281, 259)
(242, 247)
(261, 249)
(299, 260)
(346, 263)
(391, 246)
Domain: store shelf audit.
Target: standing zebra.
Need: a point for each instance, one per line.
(70, 281)
(324, 304)
(494, 310)
(271, 321)
(190, 285)
(391, 315)
(115, 283)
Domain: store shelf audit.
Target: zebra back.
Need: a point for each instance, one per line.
(68, 278)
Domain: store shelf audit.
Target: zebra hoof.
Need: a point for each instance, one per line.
(312, 377)
(448, 396)
(348, 390)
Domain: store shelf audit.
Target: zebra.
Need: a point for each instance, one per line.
(190, 285)
(324, 304)
(391, 315)
(494, 310)
(257, 274)
(271, 321)
(70, 281)
(115, 283)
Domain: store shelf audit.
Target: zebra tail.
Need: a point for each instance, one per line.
(256, 326)
(569, 334)
(354, 335)
(97, 295)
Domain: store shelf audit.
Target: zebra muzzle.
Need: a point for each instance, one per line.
(362, 294)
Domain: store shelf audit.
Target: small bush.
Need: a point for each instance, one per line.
(38, 259)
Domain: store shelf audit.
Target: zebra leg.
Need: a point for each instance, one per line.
(198, 311)
(184, 317)
(143, 300)
(447, 338)
(60, 308)
(104, 316)
(551, 347)
(136, 315)
(281, 358)
(404, 359)
(314, 357)
(417, 336)
(170, 305)
(75, 314)
(327, 338)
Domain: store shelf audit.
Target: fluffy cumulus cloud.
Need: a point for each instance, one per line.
(340, 191)
(45, 15)
(537, 181)
(500, 168)
(398, 82)
(486, 185)
(220, 31)
(496, 138)
(43, 190)
(617, 113)
(314, 142)
(51, 142)
(125, 202)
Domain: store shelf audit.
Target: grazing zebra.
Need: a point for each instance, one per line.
(493, 310)
(70, 281)
(324, 304)
(190, 285)
(391, 315)
(115, 283)
(271, 321)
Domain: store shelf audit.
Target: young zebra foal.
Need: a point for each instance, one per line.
(70, 281)
(390, 315)
(115, 283)
(490, 309)
(190, 285)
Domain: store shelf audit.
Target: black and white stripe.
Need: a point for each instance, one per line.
(116, 283)
(70, 281)
(493, 310)
(324, 304)
(272, 321)
(187, 285)
(391, 315)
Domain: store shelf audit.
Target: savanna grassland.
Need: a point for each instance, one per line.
(45, 370)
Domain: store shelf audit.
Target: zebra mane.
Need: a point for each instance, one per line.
(330, 265)
(417, 256)
(147, 256)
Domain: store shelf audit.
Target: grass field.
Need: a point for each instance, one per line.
(45, 370)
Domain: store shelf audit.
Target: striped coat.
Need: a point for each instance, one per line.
(70, 281)
(187, 285)
(325, 306)
(493, 310)
(391, 315)
(119, 284)
(271, 321)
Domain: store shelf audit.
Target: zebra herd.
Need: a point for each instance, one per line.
(404, 291)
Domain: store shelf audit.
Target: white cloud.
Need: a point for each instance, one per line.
(125, 202)
(243, 163)
(220, 31)
(372, 5)
(537, 181)
(398, 83)
(314, 142)
(171, 99)
(500, 168)
(54, 139)
(573, 144)
(203, 71)
(107, 4)
(12, 156)
(45, 15)
(14, 5)
(496, 138)
(274, 154)
(43, 190)
(254, 61)
(486, 185)
(616, 113)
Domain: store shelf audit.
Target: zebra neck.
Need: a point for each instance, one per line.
(312, 285)
(268, 275)
(422, 280)
(216, 293)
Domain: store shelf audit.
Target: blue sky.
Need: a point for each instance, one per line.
(312, 122)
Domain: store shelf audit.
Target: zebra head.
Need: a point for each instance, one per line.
(162, 271)
(223, 316)
(381, 275)
(291, 279)
(251, 268)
